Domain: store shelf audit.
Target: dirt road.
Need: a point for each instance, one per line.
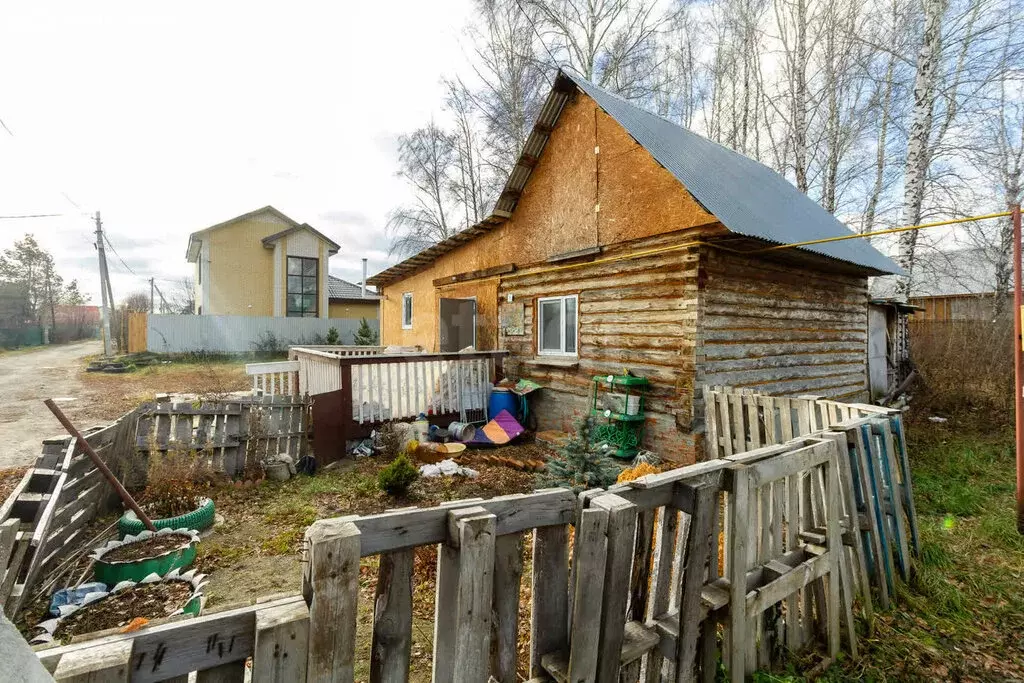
(25, 380)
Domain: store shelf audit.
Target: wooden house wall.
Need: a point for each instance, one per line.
(639, 314)
(594, 186)
(956, 307)
(782, 329)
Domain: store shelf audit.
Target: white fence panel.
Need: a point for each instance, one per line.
(239, 334)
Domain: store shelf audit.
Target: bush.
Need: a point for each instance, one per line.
(396, 478)
(176, 481)
(333, 337)
(966, 367)
(267, 345)
(578, 465)
(365, 336)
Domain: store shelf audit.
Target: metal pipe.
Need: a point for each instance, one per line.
(1018, 366)
(364, 279)
(100, 465)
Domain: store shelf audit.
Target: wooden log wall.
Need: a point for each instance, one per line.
(637, 313)
(782, 329)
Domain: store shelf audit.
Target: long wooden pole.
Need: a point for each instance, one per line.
(100, 465)
(1018, 365)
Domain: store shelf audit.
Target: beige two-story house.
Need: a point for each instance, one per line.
(264, 263)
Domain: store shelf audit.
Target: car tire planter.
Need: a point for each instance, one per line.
(114, 572)
(199, 519)
(194, 604)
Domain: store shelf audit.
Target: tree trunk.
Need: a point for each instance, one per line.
(918, 152)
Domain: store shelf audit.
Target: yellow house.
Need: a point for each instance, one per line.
(264, 263)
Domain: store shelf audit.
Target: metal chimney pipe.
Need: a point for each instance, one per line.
(364, 278)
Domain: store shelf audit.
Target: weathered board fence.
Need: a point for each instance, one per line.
(46, 514)
(628, 584)
(230, 434)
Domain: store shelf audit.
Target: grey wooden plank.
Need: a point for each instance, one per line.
(392, 618)
(589, 560)
(699, 547)
(282, 644)
(110, 662)
(550, 609)
(475, 595)
(508, 574)
(518, 512)
(621, 534)
(738, 554)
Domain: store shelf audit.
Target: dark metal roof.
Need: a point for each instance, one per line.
(747, 197)
(343, 289)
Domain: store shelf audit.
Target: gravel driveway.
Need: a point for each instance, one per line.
(25, 380)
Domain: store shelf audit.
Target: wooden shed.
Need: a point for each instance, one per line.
(624, 241)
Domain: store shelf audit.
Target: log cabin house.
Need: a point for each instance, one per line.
(624, 241)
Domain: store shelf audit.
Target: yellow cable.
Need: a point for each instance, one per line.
(882, 232)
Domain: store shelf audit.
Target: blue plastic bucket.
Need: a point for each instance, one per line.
(502, 399)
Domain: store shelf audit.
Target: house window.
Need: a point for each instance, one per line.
(556, 326)
(407, 311)
(303, 287)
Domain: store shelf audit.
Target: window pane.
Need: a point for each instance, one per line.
(309, 266)
(294, 284)
(550, 326)
(406, 310)
(295, 302)
(294, 265)
(309, 285)
(570, 325)
(309, 303)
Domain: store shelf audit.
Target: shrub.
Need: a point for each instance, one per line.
(176, 481)
(966, 367)
(267, 345)
(396, 478)
(332, 336)
(578, 465)
(365, 336)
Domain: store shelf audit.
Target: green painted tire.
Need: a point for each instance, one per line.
(199, 519)
(113, 573)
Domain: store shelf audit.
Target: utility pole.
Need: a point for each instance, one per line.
(1018, 364)
(104, 286)
(151, 296)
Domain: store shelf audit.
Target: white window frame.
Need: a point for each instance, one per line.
(561, 329)
(407, 296)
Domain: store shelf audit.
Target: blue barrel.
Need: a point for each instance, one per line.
(502, 399)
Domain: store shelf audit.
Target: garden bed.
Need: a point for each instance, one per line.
(145, 601)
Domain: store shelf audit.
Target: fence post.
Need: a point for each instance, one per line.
(465, 585)
(549, 617)
(281, 645)
(331, 588)
(621, 534)
(392, 618)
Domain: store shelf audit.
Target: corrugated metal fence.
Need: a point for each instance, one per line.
(241, 334)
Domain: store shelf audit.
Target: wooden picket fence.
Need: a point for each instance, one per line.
(45, 516)
(628, 584)
(229, 433)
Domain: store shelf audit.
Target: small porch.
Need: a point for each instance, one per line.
(356, 389)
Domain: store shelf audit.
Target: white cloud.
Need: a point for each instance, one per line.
(171, 117)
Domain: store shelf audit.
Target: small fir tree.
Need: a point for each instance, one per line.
(578, 465)
(333, 337)
(364, 335)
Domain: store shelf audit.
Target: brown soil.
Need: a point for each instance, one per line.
(148, 601)
(151, 547)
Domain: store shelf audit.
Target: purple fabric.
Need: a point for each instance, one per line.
(504, 423)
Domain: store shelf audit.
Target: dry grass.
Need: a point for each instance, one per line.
(967, 368)
(109, 396)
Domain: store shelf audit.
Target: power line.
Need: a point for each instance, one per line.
(107, 240)
(9, 132)
(34, 215)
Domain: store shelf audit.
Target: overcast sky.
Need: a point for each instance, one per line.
(170, 117)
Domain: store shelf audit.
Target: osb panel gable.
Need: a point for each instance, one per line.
(637, 197)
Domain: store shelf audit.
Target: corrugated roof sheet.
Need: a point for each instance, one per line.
(746, 196)
(343, 289)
